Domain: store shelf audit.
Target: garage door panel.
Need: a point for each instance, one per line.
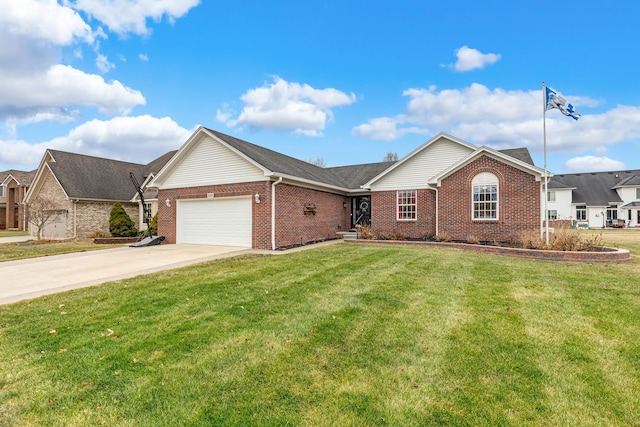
(224, 222)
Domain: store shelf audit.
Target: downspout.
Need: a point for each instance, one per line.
(436, 190)
(273, 213)
(75, 222)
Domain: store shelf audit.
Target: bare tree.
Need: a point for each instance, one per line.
(391, 156)
(40, 212)
(318, 161)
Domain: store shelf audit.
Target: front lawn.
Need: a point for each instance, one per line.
(34, 249)
(359, 335)
(12, 233)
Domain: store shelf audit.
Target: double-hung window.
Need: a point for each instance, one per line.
(485, 196)
(637, 193)
(406, 205)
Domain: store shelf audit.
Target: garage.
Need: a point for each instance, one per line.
(224, 221)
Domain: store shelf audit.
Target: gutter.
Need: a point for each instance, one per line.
(273, 213)
(75, 221)
(437, 203)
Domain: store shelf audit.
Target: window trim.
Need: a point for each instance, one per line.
(401, 215)
(551, 196)
(480, 180)
(581, 209)
(638, 193)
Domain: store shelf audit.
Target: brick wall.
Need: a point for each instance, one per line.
(384, 211)
(518, 199)
(261, 213)
(293, 227)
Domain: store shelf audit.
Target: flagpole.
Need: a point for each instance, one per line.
(544, 133)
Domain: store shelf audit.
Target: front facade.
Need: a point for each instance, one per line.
(595, 200)
(13, 189)
(79, 192)
(220, 190)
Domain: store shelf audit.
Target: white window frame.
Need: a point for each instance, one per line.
(2, 191)
(407, 205)
(485, 184)
(551, 196)
(552, 214)
(638, 193)
(581, 212)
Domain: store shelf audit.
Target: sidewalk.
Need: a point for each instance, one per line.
(15, 239)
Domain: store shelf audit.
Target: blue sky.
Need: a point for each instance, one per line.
(347, 81)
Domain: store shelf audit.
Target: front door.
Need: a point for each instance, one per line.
(361, 210)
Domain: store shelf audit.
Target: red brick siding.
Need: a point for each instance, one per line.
(384, 211)
(518, 203)
(261, 212)
(292, 225)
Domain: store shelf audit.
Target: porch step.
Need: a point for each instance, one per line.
(348, 234)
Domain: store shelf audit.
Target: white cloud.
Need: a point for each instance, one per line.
(288, 106)
(62, 85)
(143, 57)
(103, 64)
(137, 139)
(44, 20)
(593, 164)
(472, 59)
(503, 119)
(130, 16)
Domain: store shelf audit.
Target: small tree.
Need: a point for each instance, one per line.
(40, 212)
(318, 161)
(120, 223)
(391, 156)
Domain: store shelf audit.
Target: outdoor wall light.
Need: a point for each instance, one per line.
(344, 205)
(168, 203)
(257, 197)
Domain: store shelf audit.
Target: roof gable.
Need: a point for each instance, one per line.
(415, 169)
(497, 155)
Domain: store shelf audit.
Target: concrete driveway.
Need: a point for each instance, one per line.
(31, 278)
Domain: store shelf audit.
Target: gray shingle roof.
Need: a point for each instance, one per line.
(88, 177)
(521, 154)
(595, 188)
(348, 177)
(23, 178)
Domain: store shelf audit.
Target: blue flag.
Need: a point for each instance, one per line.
(553, 100)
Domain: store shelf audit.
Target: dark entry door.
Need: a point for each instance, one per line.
(361, 206)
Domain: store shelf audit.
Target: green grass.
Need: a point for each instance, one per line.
(359, 335)
(34, 249)
(12, 233)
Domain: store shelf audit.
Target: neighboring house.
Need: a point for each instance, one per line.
(597, 199)
(83, 189)
(13, 189)
(220, 190)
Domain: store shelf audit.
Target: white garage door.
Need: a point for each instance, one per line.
(225, 222)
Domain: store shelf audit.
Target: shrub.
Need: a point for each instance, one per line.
(397, 234)
(153, 225)
(365, 232)
(443, 236)
(471, 239)
(120, 223)
(99, 234)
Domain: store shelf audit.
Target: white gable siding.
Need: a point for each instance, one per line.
(211, 163)
(415, 172)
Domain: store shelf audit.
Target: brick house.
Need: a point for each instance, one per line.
(221, 190)
(81, 190)
(13, 189)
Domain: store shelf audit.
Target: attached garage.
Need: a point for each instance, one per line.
(215, 221)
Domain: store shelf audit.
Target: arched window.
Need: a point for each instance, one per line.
(485, 196)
